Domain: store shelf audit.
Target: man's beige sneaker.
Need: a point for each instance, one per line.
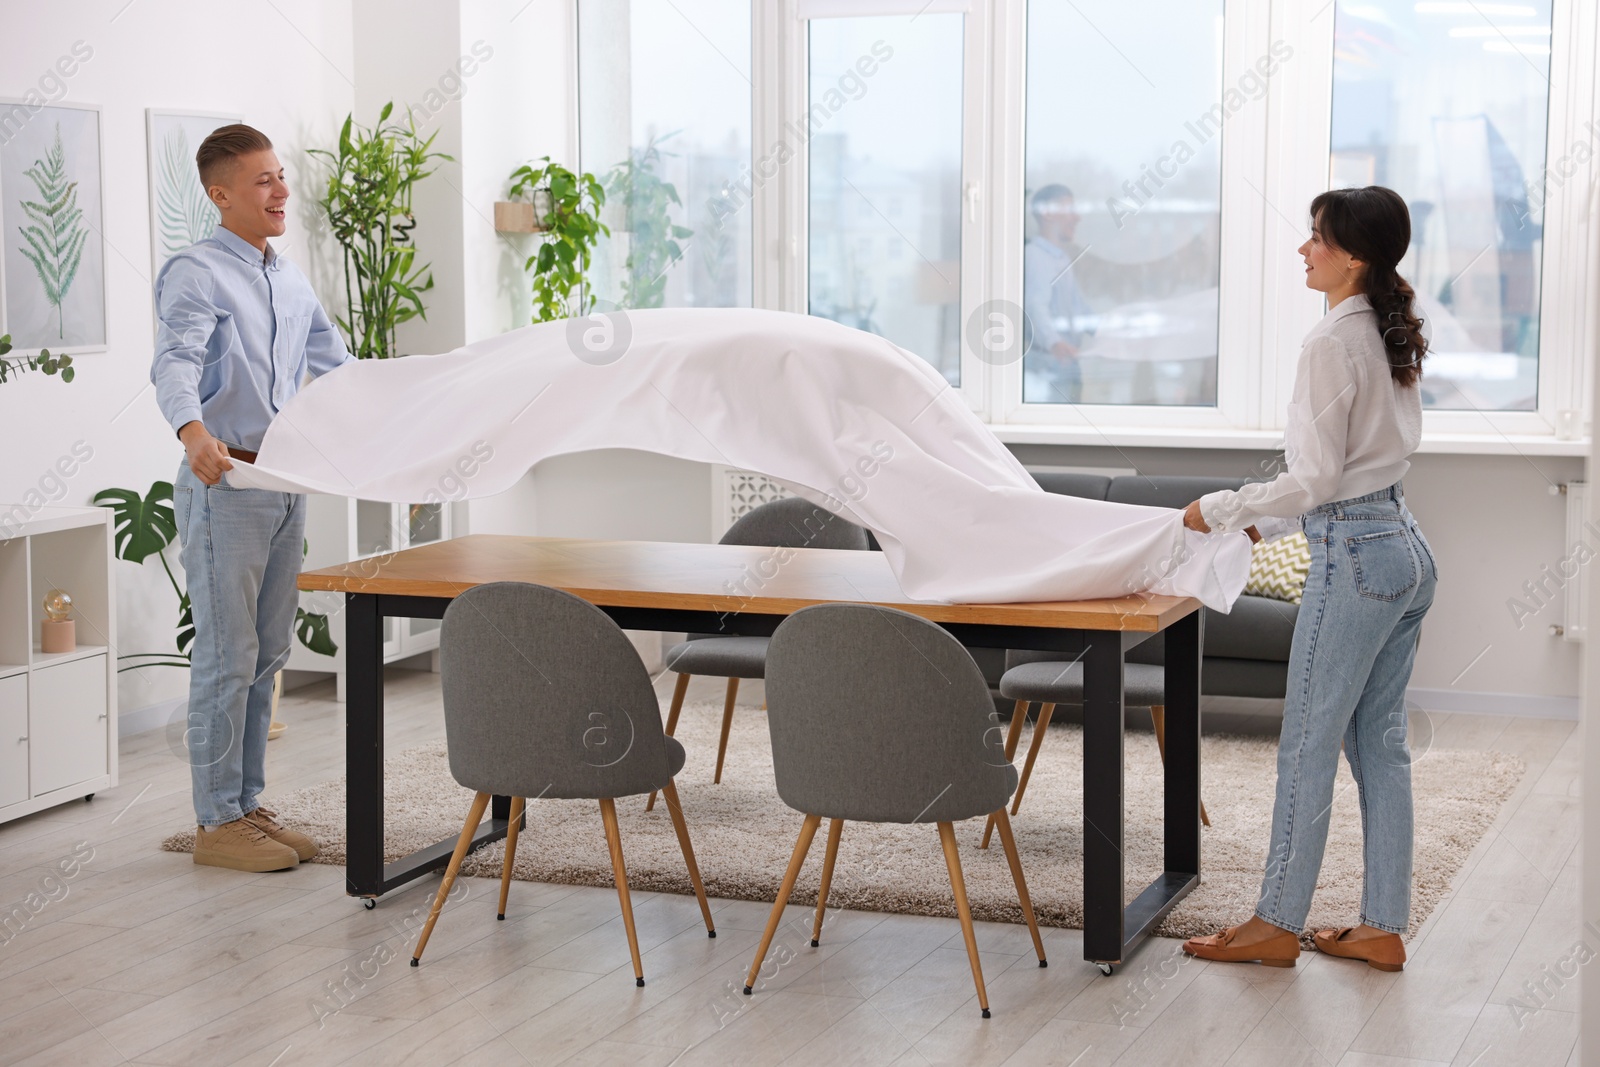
(241, 845)
(266, 820)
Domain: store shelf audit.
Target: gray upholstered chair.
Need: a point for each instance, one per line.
(788, 523)
(880, 716)
(544, 696)
(1036, 676)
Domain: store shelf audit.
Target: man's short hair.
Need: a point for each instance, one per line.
(224, 145)
(1049, 195)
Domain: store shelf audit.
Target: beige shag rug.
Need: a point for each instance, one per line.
(743, 834)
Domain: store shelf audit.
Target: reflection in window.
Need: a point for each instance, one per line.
(664, 117)
(1121, 264)
(884, 129)
(1446, 103)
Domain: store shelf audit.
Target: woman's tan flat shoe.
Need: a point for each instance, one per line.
(1278, 951)
(1386, 953)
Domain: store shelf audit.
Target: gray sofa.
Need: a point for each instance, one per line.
(1246, 652)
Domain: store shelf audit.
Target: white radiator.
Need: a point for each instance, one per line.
(735, 491)
(1577, 589)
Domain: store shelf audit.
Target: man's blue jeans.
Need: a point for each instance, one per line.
(241, 553)
(1372, 580)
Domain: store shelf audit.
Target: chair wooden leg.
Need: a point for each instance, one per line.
(608, 815)
(727, 724)
(1158, 722)
(835, 828)
(1018, 714)
(671, 793)
(672, 721)
(518, 806)
(958, 886)
(808, 830)
(1039, 729)
(1009, 843)
(464, 842)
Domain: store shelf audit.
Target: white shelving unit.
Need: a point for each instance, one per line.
(58, 711)
(339, 529)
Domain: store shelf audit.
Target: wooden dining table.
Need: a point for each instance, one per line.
(748, 591)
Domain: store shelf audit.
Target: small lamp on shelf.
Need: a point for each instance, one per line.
(58, 632)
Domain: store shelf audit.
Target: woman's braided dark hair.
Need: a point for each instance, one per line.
(1373, 225)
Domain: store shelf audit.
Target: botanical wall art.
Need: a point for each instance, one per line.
(180, 211)
(52, 210)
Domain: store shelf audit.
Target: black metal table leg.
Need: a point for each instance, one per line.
(366, 874)
(1102, 798)
(1181, 805)
(363, 745)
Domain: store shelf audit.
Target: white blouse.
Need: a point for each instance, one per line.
(1349, 431)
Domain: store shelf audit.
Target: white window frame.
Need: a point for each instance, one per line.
(784, 240)
(1275, 158)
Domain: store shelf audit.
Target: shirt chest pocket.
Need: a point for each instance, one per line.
(288, 356)
(290, 342)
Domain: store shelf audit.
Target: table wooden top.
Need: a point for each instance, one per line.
(699, 577)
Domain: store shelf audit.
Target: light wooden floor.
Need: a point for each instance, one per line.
(144, 957)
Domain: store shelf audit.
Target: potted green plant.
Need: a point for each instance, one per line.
(368, 202)
(570, 227)
(144, 527)
(653, 237)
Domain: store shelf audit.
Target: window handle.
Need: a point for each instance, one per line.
(972, 196)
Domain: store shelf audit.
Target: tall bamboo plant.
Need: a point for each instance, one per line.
(368, 201)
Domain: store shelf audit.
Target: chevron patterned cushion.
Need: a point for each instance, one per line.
(1278, 568)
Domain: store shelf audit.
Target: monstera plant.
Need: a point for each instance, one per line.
(144, 527)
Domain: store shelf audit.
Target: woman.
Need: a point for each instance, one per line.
(1355, 417)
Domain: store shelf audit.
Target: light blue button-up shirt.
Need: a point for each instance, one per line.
(236, 332)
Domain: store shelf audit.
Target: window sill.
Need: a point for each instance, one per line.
(1270, 440)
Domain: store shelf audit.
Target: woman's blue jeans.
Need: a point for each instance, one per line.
(241, 553)
(1372, 580)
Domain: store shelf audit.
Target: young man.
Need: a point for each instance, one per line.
(238, 328)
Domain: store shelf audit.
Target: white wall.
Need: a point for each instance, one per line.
(288, 70)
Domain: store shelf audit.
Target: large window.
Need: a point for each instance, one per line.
(884, 207)
(1083, 214)
(1125, 115)
(664, 98)
(1446, 103)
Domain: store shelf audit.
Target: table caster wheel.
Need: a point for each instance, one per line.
(1105, 968)
(88, 798)
(371, 903)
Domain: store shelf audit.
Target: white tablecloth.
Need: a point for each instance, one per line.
(842, 418)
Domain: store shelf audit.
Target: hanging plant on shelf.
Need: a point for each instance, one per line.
(653, 246)
(145, 526)
(570, 227)
(368, 204)
(44, 361)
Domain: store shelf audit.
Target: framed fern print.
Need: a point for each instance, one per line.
(180, 211)
(53, 267)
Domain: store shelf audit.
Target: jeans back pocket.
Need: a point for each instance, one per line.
(1384, 562)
